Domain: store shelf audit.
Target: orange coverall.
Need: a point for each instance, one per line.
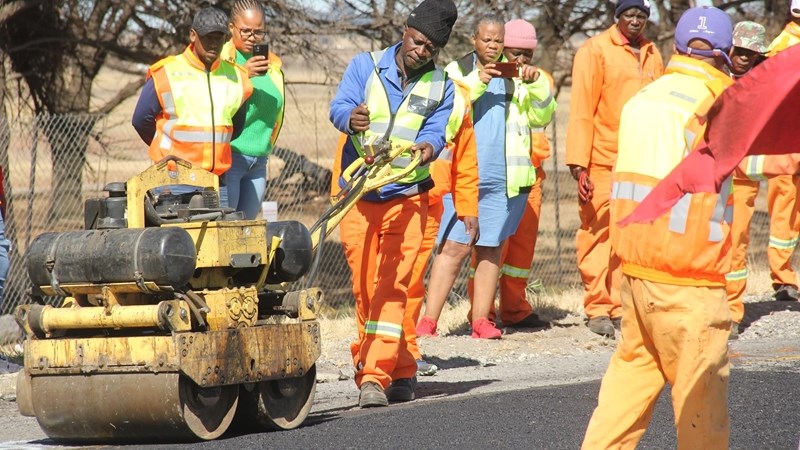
(745, 192)
(606, 72)
(782, 207)
(676, 321)
(459, 176)
(782, 196)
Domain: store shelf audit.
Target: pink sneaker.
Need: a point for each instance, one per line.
(485, 329)
(426, 327)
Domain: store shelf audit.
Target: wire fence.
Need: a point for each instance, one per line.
(54, 163)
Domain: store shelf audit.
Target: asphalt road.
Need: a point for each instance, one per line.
(764, 406)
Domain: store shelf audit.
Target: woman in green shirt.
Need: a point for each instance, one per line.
(243, 185)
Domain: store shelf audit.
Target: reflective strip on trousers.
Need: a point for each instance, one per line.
(515, 272)
(737, 275)
(782, 244)
(383, 328)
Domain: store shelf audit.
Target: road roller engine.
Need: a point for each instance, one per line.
(177, 318)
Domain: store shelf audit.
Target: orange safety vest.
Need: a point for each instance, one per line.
(689, 245)
(196, 122)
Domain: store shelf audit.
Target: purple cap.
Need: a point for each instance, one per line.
(706, 23)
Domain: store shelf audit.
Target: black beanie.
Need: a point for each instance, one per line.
(434, 19)
(624, 5)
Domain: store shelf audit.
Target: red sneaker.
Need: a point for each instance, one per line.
(426, 327)
(485, 329)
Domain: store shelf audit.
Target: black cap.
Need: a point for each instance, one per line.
(434, 19)
(210, 20)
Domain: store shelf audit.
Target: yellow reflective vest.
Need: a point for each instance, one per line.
(659, 126)
(402, 127)
(198, 106)
(528, 106)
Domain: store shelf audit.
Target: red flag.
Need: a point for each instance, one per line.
(758, 115)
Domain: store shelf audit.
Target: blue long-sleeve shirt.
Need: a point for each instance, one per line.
(148, 109)
(351, 94)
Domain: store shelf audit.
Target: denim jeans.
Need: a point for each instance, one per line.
(5, 244)
(244, 184)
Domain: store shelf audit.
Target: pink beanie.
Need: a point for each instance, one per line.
(520, 34)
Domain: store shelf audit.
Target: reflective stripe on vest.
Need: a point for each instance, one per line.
(679, 214)
(520, 172)
(737, 275)
(402, 127)
(383, 328)
(191, 101)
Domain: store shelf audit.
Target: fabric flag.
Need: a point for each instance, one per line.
(758, 115)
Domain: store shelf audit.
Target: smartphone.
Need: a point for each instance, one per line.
(261, 49)
(507, 69)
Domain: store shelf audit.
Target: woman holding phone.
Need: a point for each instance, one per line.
(243, 186)
(504, 110)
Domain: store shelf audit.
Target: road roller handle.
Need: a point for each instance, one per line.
(367, 173)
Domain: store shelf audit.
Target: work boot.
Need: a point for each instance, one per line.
(372, 395)
(426, 369)
(485, 329)
(786, 293)
(734, 331)
(426, 327)
(402, 390)
(532, 321)
(601, 325)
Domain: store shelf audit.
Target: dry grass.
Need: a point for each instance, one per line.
(339, 325)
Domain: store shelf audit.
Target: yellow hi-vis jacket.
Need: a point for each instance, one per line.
(528, 106)
(540, 145)
(660, 125)
(198, 106)
(789, 36)
(402, 127)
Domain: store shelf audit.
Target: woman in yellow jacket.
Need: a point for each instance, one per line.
(504, 112)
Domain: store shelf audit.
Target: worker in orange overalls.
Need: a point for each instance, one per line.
(675, 317)
(515, 264)
(608, 69)
(396, 94)
(782, 203)
(454, 172)
(749, 46)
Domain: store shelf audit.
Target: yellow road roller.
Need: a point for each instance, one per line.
(177, 318)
